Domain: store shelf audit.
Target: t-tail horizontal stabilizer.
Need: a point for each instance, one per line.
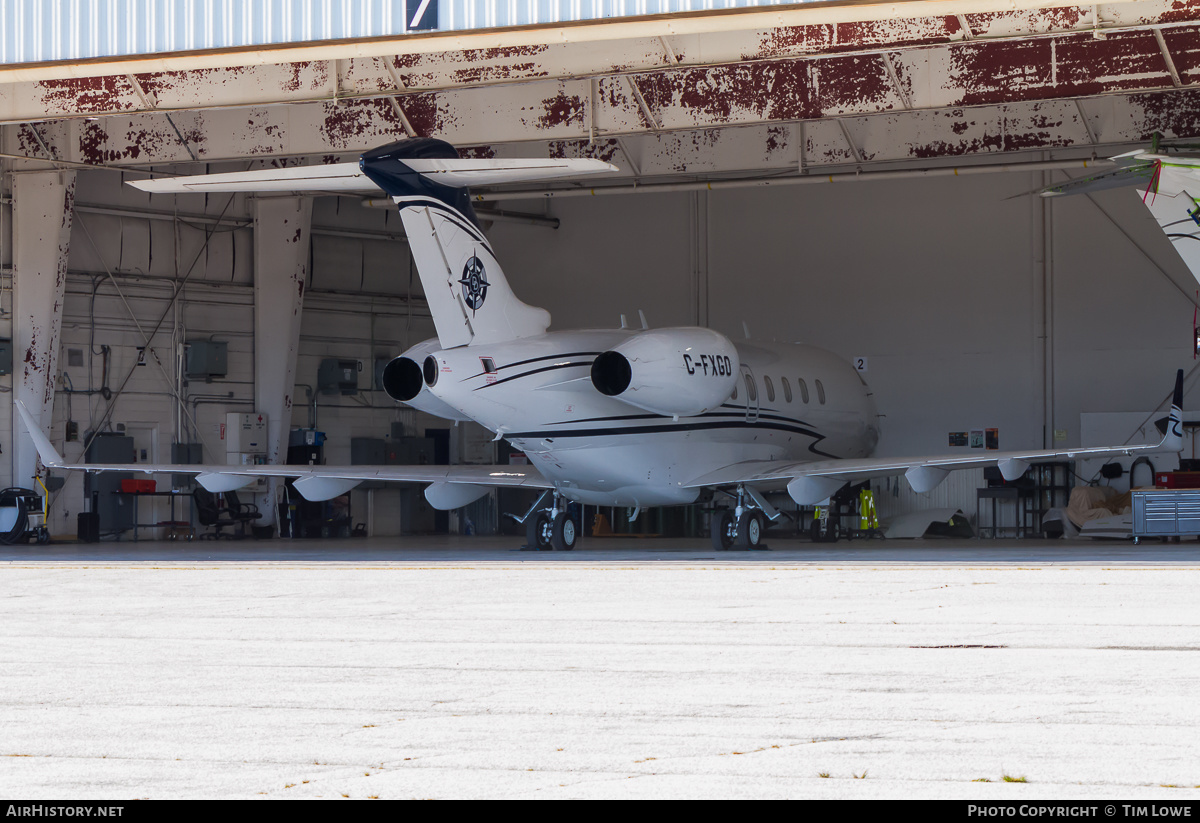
(468, 295)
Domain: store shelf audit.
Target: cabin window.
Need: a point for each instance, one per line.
(803, 389)
(489, 365)
(787, 389)
(751, 390)
(820, 392)
(770, 388)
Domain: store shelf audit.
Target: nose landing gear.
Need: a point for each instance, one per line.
(743, 526)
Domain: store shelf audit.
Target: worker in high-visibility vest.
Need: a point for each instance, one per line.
(867, 518)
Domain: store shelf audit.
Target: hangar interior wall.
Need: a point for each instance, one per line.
(944, 285)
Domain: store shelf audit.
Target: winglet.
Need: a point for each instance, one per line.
(1172, 425)
(50, 456)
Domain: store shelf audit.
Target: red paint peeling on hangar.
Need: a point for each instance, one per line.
(782, 90)
(345, 122)
(1181, 11)
(1174, 115)
(422, 112)
(561, 110)
(1076, 65)
(831, 38)
(88, 94)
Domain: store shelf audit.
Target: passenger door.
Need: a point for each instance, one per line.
(750, 386)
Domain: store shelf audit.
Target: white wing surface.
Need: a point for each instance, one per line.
(809, 483)
(348, 177)
(314, 482)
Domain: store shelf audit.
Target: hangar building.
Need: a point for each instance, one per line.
(856, 175)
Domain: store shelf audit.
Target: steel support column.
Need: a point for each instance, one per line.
(41, 233)
(281, 250)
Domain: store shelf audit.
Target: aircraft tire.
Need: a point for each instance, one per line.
(537, 530)
(722, 520)
(750, 529)
(831, 535)
(564, 533)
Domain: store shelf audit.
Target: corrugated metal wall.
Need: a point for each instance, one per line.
(34, 31)
(894, 496)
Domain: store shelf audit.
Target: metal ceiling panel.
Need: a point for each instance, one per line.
(811, 96)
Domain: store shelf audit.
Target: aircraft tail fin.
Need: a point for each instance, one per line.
(468, 294)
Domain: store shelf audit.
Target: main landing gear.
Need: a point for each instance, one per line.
(743, 526)
(551, 528)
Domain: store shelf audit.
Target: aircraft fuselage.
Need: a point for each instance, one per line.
(537, 393)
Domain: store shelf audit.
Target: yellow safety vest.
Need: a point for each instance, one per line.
(867, 518)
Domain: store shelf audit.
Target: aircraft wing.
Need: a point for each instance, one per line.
(348, 177)
(809, 483)
(313, 482)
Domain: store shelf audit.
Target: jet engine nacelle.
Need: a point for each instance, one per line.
(681, 371)
(403, 381)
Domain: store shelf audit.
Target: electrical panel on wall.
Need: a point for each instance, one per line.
(207, 359)
(338, 376)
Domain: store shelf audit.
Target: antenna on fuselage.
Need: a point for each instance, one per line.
(746, 329)
(624, 322)
(642, 317)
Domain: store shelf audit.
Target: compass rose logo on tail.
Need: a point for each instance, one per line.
(474, 283)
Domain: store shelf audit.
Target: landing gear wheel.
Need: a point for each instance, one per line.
(537, 532)
(833, 531)
(750, 530)
(564, 533)
(722, 526)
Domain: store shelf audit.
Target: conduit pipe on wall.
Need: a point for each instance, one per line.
(494, 215)
(799, 180)
(242, 222)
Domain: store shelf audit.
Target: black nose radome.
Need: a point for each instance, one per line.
(402, 379)
(611, 373)
(431, 371)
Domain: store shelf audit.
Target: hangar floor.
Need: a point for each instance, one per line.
(460, 668)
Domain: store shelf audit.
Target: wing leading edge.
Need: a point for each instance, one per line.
(313, 482)
(809, 483)
(349, 177)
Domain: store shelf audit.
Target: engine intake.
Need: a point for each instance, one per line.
(678, 372)
(611, 373)
(402, 379)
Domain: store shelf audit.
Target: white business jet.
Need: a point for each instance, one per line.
(625, 417)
